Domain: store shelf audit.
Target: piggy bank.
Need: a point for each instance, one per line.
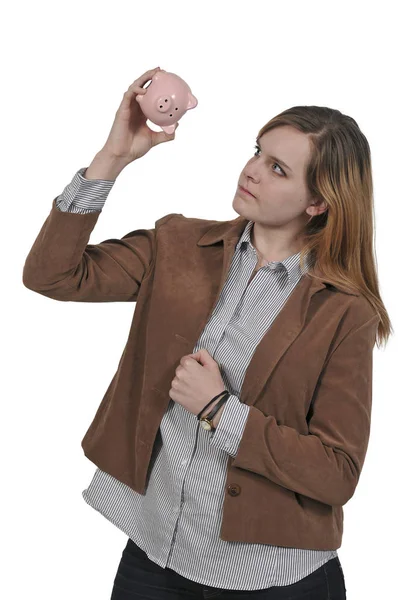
(167, 99)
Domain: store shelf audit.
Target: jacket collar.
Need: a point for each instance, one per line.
(236, 231)
(288, 323)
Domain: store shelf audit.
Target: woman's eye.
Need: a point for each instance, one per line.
(258, 149)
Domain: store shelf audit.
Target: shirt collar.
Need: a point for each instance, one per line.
(290, 265)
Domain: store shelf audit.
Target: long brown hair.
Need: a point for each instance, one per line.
(339, 172)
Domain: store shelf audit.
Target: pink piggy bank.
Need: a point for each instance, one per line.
(167, 99)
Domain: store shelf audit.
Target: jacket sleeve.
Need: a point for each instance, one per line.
(63, 266)
(325, 464)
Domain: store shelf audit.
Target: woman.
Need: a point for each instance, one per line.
(308, 202)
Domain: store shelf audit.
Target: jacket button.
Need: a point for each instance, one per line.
(233, 489)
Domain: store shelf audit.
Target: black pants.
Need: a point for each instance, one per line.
(138, 577)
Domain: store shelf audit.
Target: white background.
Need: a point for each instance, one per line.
(65, 67)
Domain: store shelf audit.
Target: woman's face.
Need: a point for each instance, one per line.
(281, 194)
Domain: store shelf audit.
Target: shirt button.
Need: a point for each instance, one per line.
(184, 462)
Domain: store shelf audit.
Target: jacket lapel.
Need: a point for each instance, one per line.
(287, 324)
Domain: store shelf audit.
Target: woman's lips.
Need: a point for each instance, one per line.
(242, 189)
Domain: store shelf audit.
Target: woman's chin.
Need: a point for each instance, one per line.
(241, 207)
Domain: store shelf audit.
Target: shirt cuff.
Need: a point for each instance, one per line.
(83, 195)
(230, 428)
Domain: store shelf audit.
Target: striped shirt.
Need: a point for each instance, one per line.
(177, 521)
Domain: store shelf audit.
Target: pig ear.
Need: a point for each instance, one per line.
(192, 101)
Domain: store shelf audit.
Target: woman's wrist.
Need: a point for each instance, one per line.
(217, 416)
(105, 166)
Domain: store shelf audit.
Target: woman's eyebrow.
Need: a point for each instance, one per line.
(278, 160)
